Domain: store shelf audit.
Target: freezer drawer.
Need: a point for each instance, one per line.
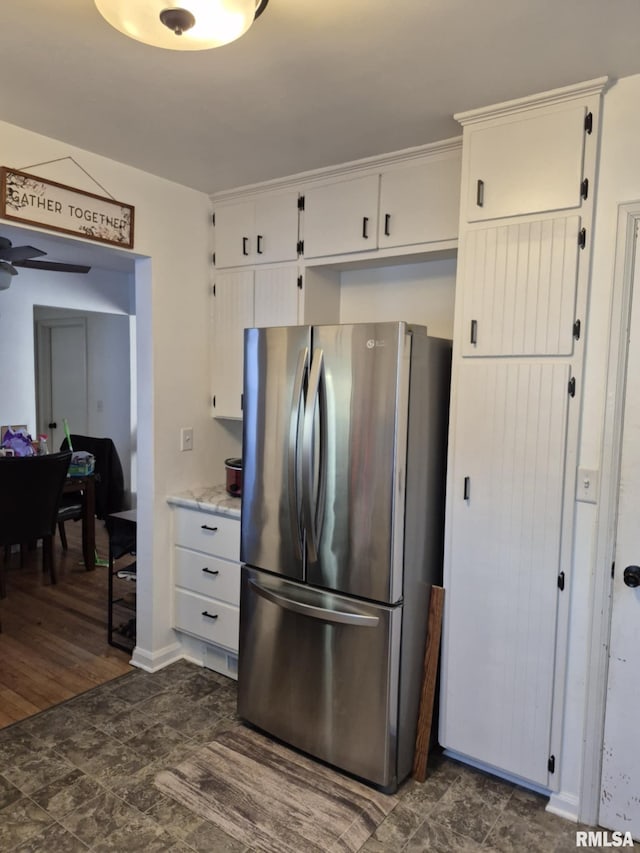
(320, 672)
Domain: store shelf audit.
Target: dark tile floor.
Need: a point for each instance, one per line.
(80, 777)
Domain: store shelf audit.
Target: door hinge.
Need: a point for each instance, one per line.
(213, 259)
(561, 581)
(300, 282)
(576, 330)
(242, 402)
(213, 401)
(473, 334)
(213, 290)
(551, 764)
(588, 123)
(613, 568)
(300, 247)
(582, 238)
(572, 387)
(584, 188)
(300, 202)
(213, 219)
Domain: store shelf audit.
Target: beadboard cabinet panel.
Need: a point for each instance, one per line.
(519, 288)
(504, 547)
(232, 312)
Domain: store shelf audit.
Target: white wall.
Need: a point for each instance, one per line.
(108, 378)
(96, 292)
(619, 182)
(173, 235)
(421, 293)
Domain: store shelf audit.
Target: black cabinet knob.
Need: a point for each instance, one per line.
(631, 576)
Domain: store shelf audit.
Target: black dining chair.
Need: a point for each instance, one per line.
(109, 480)
(30, 490)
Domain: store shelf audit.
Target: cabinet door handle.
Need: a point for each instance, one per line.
(245, 245)
(473, 337)
(387, 224)
(467, 488)
(365, 227)
(259, 244)
(209, 615)
(480, 193)
(206, 527)
(210, 571)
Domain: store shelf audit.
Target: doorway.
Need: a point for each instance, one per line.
(620, 784)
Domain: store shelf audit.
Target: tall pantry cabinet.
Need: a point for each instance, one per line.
(528, 177)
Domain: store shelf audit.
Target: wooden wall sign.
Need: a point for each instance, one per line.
(37, 201)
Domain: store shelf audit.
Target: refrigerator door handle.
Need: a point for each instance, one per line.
(312, 490)
(293, 455)
(362, 620)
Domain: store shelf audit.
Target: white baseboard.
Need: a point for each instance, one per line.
(564, 805)
(153, 661)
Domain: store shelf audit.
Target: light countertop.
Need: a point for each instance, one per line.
(214, 499)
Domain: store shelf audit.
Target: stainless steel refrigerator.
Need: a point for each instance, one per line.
(344, 449)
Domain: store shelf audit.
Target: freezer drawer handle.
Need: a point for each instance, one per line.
(210, 571)
(209, 615)
(206, 527)
(360, 619)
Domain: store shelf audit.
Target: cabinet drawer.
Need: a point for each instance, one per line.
(220, 626)
(207, 575)
(213, 534)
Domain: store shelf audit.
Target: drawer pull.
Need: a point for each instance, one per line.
(206, 527)
(210, 571)
(209, 615)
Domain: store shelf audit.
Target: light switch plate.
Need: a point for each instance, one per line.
(186, 438)
(588, 485)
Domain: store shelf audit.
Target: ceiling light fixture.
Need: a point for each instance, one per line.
(192, 25)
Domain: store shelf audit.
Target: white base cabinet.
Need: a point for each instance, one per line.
(206, 559)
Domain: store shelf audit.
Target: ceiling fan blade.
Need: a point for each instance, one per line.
(52, 266)
(5, 267)
(20, 253)
(4, 243)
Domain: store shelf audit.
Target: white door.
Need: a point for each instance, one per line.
(232, 314)
(64, 375)
(620, 789)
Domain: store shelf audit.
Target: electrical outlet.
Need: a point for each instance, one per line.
(587, 485)
(186, 438)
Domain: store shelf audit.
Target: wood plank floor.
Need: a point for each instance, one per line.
(53, 643)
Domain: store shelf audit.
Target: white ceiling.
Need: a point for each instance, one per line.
(313, 83)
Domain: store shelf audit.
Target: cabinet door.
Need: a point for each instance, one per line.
(519, 283)
(501, 568)
(235, 234)
(341, 217)
(420, 203)
(526, 165)
(276, 296)
(232, 313)
(276, 228)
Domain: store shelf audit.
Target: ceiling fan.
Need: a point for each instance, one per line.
(23, 256)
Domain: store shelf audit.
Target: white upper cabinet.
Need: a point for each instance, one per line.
(522, 165)
(257, 231)
(419, 203)
(341, 217)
